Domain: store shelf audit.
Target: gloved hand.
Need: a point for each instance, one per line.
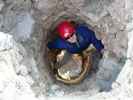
(61, 55)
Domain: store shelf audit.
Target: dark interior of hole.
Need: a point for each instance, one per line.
(52, 34)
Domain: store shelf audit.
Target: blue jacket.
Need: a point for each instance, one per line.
(85, 38)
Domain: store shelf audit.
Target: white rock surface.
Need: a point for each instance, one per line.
(13, 85)
(6, 42)
(24, 28)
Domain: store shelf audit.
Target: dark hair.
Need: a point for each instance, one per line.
(74, 23)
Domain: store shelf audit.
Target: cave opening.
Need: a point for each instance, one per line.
(99, 79)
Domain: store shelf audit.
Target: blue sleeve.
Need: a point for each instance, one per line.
(57, 44)
(90, 37)
(97, 43)
(61, 44)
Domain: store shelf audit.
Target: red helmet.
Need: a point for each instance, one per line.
(65, 29)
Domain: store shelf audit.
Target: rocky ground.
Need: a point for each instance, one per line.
(25, 26)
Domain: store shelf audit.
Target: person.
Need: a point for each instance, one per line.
(75, 38)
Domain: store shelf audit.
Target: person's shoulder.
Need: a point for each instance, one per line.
(83, 27)
(59, 40)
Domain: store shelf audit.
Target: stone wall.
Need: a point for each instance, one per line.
(26, 25)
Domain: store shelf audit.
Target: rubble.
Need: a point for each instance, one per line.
(24, 28)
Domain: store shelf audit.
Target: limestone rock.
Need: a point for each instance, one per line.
(6, 41)
(12, 85)
(24, 28)
(23, 70)
(1, 5)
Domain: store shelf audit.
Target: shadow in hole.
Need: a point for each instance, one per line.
(96, 57)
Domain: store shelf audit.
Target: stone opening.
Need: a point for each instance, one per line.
(29, 23)
(52, 34)
(98, 81)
